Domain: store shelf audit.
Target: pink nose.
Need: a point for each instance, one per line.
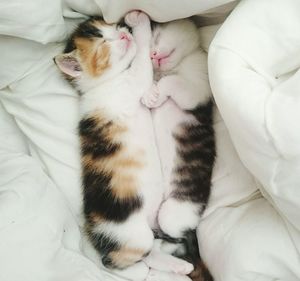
(124, 36)
(153, 55)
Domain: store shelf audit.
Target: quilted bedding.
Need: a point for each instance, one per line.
(251, 229)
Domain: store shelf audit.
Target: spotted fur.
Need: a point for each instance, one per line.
(108, 171)
(111, 164)
(110, 187)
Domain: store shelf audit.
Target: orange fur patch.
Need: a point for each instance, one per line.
(113, 132)
(121, 165)
(124, 185)
(126, 256)
(123, 169)
(94, 55)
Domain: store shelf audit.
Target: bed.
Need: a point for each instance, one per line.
(251, 228)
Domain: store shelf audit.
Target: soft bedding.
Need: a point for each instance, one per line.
(250, 231)
(254, 71)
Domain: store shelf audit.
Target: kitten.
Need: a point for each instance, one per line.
(122, 190)
(111, 69)
(185, 135)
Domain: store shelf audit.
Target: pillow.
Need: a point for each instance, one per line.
(254, 72)
(163, 11)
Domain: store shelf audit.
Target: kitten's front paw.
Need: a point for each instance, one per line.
(153, 98)
(135, 18)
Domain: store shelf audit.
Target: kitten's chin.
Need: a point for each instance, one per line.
(163, 67)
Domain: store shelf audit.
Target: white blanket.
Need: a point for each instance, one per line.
(254, 71)
(241, 236)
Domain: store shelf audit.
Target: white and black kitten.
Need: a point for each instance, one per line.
(183, 122)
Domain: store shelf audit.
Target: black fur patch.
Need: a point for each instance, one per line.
(192, 255)
(122, 23)
(98, 198)
(204, 112)
(84, 30)
(192, 247)
(196, 150)
(159, 234)
(95, 141)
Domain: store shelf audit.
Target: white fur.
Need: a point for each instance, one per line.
(180, 35)
(156, 275)
(183, 74)
(167, 247)
(118, 95)
(117, 92)
(133, 233)
(165, 262)
(177, 216)
(136, 272)
(171, 248)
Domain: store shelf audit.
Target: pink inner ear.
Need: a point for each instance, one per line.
(68, 65)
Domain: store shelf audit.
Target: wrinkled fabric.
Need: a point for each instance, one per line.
(254, 72)
(249, 230)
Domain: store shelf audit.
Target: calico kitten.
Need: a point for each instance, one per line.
(180, 74)
(111, 69)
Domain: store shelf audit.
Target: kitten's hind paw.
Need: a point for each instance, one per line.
(166, 262)
(155, 275)
(153, 98)
(135, 18)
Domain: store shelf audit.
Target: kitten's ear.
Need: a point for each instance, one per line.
(68, 64)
